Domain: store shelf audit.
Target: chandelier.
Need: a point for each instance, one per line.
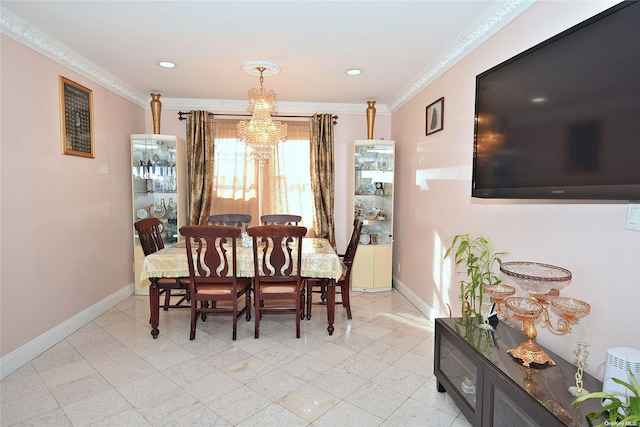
(261, 133)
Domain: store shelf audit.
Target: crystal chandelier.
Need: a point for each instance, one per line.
(261, 132)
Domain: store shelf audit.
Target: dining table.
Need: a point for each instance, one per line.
(319, 261)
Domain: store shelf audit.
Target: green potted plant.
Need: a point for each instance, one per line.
(473, 255)
(617, 410)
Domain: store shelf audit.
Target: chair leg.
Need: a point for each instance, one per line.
(303, 298)
(256, 331)
(309, 298)
(247, 303)
(194, 315)
(167, 299)
(299, 314)
(345, 298)
(235, 318)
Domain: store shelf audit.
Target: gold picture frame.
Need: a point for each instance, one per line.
(76, 119)
(435, 116)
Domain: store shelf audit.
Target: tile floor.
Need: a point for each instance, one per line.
(376, 370)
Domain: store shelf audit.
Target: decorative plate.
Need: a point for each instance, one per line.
(371, 213)
(371, 188)
(142, 213)
(157, 211)
(365, 239)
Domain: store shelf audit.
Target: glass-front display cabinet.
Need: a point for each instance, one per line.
(159, 189)
(373, 172)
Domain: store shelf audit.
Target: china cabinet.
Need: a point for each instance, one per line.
(159, 189)
(493, 389)
(373, 172)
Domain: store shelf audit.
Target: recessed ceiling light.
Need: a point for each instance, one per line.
(354, 71)
(538, 100)
(166, 64)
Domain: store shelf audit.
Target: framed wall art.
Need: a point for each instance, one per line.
(76, 119)
(435, 116)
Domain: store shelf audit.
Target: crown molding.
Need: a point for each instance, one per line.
(19, 30)
(500, 16)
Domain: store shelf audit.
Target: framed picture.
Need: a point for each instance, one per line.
(76, 119)
(435, 116)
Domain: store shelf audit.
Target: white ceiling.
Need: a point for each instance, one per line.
(401, 46)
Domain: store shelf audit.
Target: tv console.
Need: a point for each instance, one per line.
(492, 389)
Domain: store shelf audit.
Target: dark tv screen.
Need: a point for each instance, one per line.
(562, 119)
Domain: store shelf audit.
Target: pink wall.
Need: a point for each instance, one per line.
(433, 203)
(66, 221)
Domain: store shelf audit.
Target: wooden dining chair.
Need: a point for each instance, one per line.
(150, 235)
(231, 220)
(212, 259)
(343, 284)
(277, 258)
(280, 219)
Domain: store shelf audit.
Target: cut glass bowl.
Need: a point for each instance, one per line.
(536, 278)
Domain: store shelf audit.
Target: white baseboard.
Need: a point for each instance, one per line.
(33, 348)
(424, 308)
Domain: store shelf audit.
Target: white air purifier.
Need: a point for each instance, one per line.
(620, 360)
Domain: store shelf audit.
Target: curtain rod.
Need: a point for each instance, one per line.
(181, 115)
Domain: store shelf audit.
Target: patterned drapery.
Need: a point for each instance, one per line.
(200, 150)
(322, 175)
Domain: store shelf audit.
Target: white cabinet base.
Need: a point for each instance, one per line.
(371, 270)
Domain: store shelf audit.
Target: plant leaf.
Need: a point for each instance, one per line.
(634, 381)
(594, 395)
(634, 405)
(623, 383)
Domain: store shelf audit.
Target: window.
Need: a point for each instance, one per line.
(281, 185)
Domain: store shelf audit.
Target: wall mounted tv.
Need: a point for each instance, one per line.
(562, 119)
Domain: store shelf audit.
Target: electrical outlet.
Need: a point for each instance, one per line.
(633, 216)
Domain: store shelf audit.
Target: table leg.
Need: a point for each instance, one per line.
(154, 305)
(331, 304)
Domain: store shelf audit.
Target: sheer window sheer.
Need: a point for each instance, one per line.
(286, 179)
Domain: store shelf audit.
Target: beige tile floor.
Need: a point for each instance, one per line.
(376, 370)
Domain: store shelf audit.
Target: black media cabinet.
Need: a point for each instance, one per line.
(492, 389)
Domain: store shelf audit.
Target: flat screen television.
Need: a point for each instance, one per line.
(562, 119)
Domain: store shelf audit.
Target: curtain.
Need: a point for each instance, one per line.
(200, 150)
(322, 175)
